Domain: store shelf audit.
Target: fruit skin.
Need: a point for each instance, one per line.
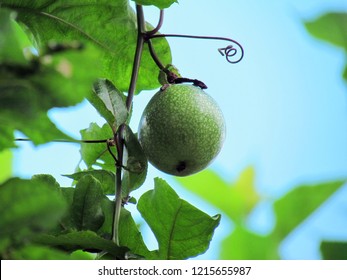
(181, 130)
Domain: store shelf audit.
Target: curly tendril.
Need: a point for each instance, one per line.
(231, 51)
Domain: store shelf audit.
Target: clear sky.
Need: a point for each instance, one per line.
(285, 107)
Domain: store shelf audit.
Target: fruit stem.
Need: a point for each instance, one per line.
(119, 136)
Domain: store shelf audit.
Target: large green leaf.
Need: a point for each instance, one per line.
(28, 207)
(96, 154)
(161, 4)
(331, 27)
(243, 244)
(86, 205)
(182, 231)
(110, 103)
(31, 85)
(334, 250)
(87, 240)
(298, 204)
(110, 26)
(236, 199)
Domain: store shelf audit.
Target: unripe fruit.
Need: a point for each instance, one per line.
(182, 130)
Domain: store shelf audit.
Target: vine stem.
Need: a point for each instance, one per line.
(119, 136)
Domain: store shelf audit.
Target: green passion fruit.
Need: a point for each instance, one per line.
(181, 130)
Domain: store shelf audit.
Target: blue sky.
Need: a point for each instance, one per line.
(284, 104)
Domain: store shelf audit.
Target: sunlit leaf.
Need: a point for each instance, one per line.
(331, 27)
(293, 208)
(334, 250)
(243, 244)
(86, 205)
(236, 199)
(31, 85)
(110, 26)
(110, 103)
(5, 165)
(182, 231)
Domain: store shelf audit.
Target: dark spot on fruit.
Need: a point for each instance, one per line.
(181, 166)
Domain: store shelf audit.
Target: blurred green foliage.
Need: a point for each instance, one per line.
(238, 199)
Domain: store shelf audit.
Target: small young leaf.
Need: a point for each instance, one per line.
(105, 177)
(86, 205)
(85, 240)
(298, 204)
(181, 230)
(334, 250)
(110, 103)
(136, 166)
(97, 153)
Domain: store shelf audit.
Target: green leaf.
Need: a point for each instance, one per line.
(182, 231)
(110, 103)
(86, 205)
(136, 166)
(46, 179)
(28, 206)
(161, 4)
(129, 234)
(131, 237)
(331, 27)
(334, 250)
(86, 240)
(236, 200)
(105, 177)
(38, 252)
(299, 203)
(243, 244)
(5, 165)
(10, 39)
(32, 85)
(109, 26)
(96, 154)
